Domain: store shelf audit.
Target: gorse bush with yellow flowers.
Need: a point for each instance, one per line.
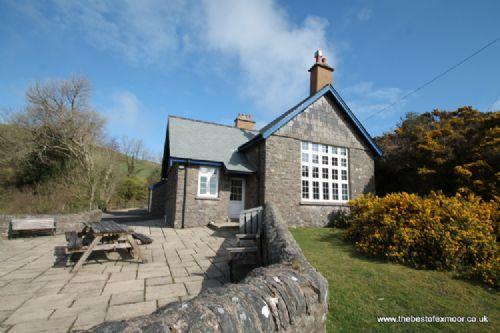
(456, 233)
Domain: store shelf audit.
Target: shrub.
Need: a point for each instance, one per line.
(447, 233)
(338, 219)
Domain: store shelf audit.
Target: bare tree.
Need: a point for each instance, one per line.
(62, 122)
(134, 150)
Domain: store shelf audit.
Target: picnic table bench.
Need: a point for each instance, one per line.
(33, 225)
(101, 236)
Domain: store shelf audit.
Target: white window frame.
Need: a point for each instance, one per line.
(208, 172)
(330, 152)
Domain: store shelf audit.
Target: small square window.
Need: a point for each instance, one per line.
(315, 147)
(344, 174)
(324, 149)
(326, 192)
(305, 145)
(335, 191)
(315, 158)
(335, 161)
(305, 189)
(305, 171)
(343, 151)
(315, 172)
(315, 186)
(305, 157)
(324, 160)
(343, 162)
(325, 173)
(334, 150)
(335, 174)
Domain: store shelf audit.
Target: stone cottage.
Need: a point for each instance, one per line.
(309, 161)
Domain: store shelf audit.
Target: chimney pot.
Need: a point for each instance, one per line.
(244, 121)
(321, 73)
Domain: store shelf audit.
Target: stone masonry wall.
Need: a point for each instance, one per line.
(288, 295)
(64, 222)
(171, 196)
(159, 198)
(201, 211)
(321, 123)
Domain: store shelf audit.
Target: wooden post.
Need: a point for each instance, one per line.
(135, 246)
(86, 254)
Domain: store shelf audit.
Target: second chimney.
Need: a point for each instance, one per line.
(321, 73)
(244, 121)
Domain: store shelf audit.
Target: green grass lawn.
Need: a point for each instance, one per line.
(361, 289)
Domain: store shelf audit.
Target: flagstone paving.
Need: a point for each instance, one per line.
(39, 294)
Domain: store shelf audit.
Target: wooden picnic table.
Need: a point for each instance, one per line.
(106, 236)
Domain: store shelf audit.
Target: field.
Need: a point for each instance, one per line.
(362, 289)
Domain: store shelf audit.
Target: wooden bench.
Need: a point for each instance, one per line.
(248, 240)
(33, 225)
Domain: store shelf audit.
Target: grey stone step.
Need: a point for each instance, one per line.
(224, 225)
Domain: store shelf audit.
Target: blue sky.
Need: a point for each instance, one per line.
(213, 59)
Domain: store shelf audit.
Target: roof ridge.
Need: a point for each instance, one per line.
(210, 123)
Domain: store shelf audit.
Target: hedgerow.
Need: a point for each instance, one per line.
(456, 233)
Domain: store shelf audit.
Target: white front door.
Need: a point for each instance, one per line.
(236, 197)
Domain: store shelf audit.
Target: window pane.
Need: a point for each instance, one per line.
(315, 172)
(305, 157)
(213, 185)
(343, 151)
(335, 174)
(326, 192)
(305, 171)
(325, 173)
(236, 193)
(324, 149)
(305, 145)
(203, 185)
(315, 147)
(315, 158)
(335, 161)
(343, 162)
(344, 174)
(315, 190)
(345, 195)
(324, 159)
(335, 188)
(334, 150)
(305, 189)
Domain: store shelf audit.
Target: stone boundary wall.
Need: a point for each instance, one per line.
(287, 295)
(64, 222)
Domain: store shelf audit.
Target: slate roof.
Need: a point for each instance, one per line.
(283, 119)
(204, 141)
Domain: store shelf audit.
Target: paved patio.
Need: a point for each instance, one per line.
(39, 294)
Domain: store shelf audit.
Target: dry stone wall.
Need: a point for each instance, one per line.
(64, 222)
(287, 295)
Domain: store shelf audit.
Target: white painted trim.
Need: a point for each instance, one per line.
(209, 175)
(332, 152)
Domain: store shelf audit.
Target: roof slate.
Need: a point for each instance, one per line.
(204, 141)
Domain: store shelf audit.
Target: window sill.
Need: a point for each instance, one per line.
(319, 203)
(206, 198)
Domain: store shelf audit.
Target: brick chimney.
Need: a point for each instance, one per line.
(321, 73)
(244, 121)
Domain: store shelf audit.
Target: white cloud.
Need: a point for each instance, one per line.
(495, 106)
(364, 99)
(273, 52)
(364, 14)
